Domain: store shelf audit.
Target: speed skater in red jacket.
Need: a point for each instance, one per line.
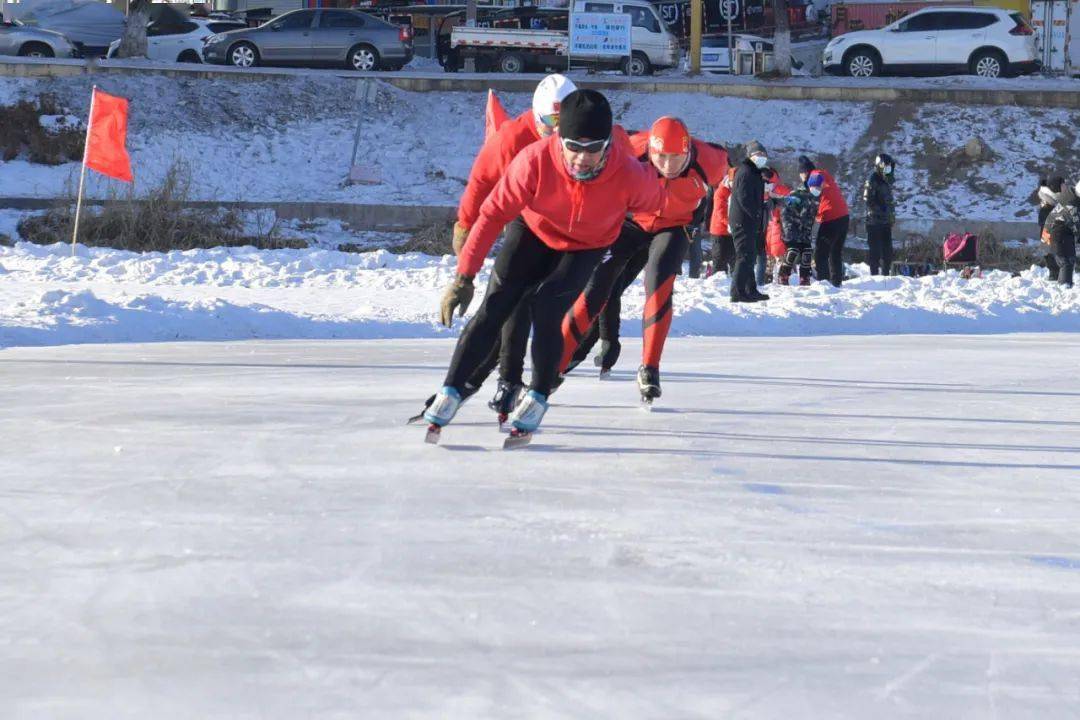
(562, 202)
(686, 168)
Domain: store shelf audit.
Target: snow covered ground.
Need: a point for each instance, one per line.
(805, 528)
(48, 297)
(291, 139)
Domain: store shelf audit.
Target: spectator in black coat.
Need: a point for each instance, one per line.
(1063, 229)
(746, 217)
(880, 214)
(1048, 198)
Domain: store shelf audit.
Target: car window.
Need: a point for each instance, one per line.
(341, 20)
(220, 27)
(642, 18)
(921, 23)
(300, 20)
(180, 28)
(599, 7)
(965, 20)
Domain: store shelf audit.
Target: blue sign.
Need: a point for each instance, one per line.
(600, 34)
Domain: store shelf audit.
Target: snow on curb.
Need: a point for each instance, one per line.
(48, 297)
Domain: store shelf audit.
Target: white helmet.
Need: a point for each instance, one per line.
(549, 93)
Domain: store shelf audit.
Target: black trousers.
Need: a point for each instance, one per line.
(723, 254)
(525, 265)
(694, 256)
(1066, 265)
(829, 250)
(606, 327)
(745, 241)
(508, 352)
(1052, 265)
(879, 238)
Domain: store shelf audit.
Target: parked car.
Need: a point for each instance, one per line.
(19, 39)
(984, 41)
(715, 57)
(180, 41)
(315, 38)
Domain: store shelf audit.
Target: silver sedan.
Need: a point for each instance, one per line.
(19, 39)
(309, 38)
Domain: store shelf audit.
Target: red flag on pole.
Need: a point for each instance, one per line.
(106, 136)
(494, 116)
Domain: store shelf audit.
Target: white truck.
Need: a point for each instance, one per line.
(1057, 30)
(514, 51)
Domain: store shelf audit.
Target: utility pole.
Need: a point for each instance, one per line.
(695, 36)
(470, 21)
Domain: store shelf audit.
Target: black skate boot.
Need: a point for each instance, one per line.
(648, 380)
(506, 396)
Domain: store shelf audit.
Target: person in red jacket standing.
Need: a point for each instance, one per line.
(723, 247)
(686, 168)
(572, 192)
(834, 220)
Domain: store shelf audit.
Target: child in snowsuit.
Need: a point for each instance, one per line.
(797, 218)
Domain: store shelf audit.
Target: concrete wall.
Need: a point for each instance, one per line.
(1065, 95)
(407, 218)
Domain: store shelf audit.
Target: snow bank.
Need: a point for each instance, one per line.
(48, 297)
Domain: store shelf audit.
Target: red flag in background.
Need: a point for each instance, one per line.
(494, 116)
(106, 136)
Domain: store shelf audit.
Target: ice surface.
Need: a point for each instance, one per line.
(803, 528)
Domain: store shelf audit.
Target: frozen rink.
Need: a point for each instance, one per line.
(804, 528)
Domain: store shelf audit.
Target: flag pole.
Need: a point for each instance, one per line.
(82, 176)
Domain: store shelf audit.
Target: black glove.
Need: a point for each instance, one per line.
(458, 295)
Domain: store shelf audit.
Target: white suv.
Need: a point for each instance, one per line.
(983, 41)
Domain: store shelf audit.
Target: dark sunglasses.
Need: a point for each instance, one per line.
(593, 146)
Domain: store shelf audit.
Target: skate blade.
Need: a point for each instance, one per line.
(518, 440)
(647, 404)
(433, 434)
(605, 374)
(415, 419)
(504, 426)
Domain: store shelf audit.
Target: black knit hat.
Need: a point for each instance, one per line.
(1056, 183)
(806, 165)
(755, 148)
(585, 115)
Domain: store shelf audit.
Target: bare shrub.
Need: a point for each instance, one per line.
(161, 221)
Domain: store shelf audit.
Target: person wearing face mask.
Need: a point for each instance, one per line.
(833, 223)
(655, 240)
(880, 214)
(746, 218)
(572, 192)
(1048, 198)
(1062, 230)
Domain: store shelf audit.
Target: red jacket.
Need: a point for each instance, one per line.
(491, 162)
(718, 221)
(566, 214)
(833, 206)
(708, 166)
(774, 234)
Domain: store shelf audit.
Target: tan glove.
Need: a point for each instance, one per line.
(461, 234)
(458, 295)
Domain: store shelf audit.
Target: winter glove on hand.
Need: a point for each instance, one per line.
(461, 234)
(458, 295)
